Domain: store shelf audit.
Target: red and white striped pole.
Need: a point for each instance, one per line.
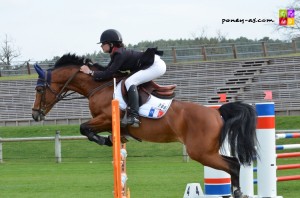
(266, 163)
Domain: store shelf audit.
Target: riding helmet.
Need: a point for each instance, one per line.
(111, 36)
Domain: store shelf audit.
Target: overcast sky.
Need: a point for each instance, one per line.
(42, 29)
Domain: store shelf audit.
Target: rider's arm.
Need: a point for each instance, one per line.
(112, 68)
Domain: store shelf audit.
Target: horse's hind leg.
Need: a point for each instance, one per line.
(220, 162)
(235, 174)
(234, 168)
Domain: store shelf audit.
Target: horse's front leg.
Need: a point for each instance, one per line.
(94, 126)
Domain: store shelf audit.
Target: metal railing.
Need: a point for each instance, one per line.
(177, 54)
(57, 141)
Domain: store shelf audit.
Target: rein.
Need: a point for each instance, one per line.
(107, 84)
(58, 96)
(93, 91)
(62, 95)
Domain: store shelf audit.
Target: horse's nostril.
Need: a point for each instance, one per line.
(37, 116)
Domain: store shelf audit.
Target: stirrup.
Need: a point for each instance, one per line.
(125, 121)
(134, 122)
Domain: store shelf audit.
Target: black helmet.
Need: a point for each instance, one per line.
(112, 36)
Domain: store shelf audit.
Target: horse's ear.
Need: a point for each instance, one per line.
(40, 71)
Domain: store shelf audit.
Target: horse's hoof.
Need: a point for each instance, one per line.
(102, 140)
(124, 139)
(108, 142)
(238, 194)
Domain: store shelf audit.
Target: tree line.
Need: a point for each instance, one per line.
(186, 43)
(8, 52)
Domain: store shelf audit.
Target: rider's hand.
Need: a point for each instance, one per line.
(85, 69)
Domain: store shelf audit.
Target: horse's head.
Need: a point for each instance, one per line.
(53, 84)
(38, 109)
(48, 93)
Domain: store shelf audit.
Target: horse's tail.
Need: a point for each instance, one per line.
(240, 128)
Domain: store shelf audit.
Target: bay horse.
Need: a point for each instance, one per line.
(201, 129)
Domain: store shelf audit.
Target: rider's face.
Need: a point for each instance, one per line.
(105, 47)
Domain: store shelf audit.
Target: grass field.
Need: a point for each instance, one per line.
(154, 170)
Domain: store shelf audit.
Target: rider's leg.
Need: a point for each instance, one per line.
(133, 106)
(154, 71)
(157, 69)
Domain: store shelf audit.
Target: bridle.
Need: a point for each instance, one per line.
(61, 95)
(45, 83)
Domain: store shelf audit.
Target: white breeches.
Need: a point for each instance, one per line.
(154, 71)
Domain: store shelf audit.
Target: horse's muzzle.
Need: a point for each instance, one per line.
(37, 116)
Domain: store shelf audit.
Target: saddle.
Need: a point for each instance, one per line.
(151, 88)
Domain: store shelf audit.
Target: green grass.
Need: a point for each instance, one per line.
(290, 122)
(155, 178)
(20, 77)
(154, 170)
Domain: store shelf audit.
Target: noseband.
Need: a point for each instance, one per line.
(45, 84)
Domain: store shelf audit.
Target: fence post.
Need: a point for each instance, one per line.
(294, 46)
(204, 53)
(174, 55)
(28, 68)
(234, 51)
(57, 147)
(264, 48)
(186, 157)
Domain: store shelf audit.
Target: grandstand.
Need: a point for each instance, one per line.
(17, 97)
(241, 80)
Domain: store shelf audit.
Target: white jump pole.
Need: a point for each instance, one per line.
(246, 180)
(217, 182)
(266, 163)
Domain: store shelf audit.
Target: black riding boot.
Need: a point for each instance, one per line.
(133, 107)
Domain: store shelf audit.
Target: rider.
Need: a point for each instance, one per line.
(143, 66)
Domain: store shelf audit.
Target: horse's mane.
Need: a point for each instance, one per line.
(73, 59)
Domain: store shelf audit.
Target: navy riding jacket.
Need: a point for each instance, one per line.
(123, 59)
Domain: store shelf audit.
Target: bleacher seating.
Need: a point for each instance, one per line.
(196, 82)
(17, 97)
(240, 80)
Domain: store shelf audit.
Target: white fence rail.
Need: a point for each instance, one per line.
(57, 144)
(57, 141)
